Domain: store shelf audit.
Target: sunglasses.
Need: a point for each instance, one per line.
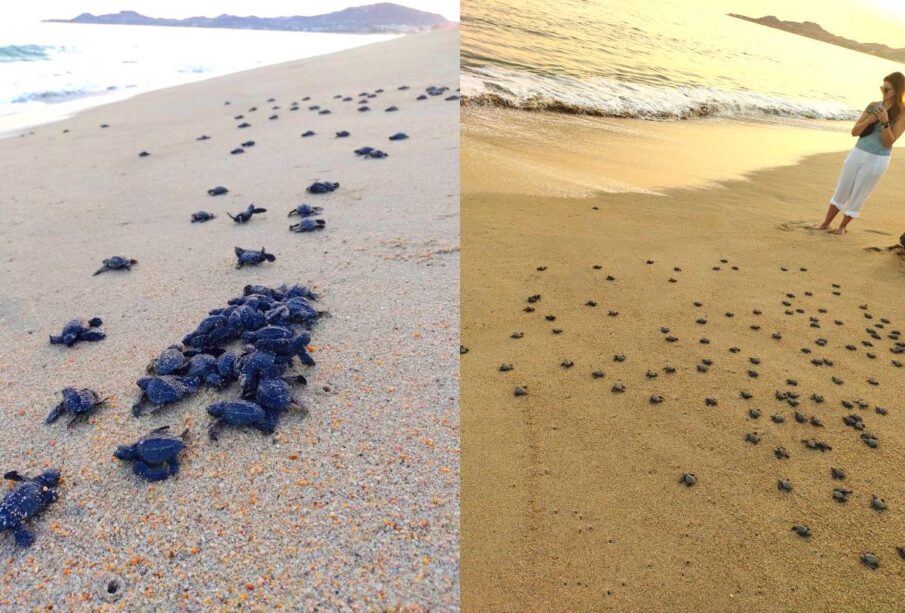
(886, 88)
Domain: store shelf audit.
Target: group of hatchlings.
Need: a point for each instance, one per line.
(263, 319)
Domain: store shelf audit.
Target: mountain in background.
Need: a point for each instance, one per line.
(813, 30)
(373, 18)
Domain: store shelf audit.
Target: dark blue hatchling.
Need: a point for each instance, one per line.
(239, 413)
(154, 455)
(203, 368)
(275, 395)
(304, 210)
(26, 501)
(117, 262)
(250, 257)
(308, 225)
(161, 391)
(322, 187)
(78, 330)
(243, 216)
(202, 216)
(78, 403)
(171, 362)
(217, 191)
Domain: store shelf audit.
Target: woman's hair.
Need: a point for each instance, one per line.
(897, 80)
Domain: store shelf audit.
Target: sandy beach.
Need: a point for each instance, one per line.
(354, 506)
(570, 494)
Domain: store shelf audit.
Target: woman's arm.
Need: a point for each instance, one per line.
(865, 120)
(894, 131)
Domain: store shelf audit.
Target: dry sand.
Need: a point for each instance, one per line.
(570, 495)
(353, 507)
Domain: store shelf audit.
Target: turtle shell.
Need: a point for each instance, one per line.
(159, 447)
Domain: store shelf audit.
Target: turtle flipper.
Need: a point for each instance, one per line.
(78, 417)
(100, 270)
(150, 473)
(174, 466)
(14, 475)
(24, 538)
(54, 414)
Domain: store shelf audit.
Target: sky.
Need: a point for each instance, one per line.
(35, 10)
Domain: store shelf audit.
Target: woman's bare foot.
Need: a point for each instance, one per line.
(821, 226)
(840, 231)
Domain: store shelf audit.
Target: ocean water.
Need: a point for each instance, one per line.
(50, 70)
(659, 60)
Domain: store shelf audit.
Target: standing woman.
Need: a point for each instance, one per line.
(879, 126)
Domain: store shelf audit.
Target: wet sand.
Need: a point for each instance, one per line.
(354, 506)
(570, 494)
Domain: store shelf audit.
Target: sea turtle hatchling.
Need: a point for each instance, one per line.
(246, 215)
(161, 391)
(250, 257)
(688, 479)
(322, 187)
(78, 330)
(154, 454)
(870, 560)
(117, 262)
(308, 225)
(877, 504)
(25, 501)
(77, 402)
(841, 494)
(801, 530)
(784, 485)
(202, 216)
(304, 210)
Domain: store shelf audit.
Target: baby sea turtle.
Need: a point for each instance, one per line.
(238, 413)
(308, 225)
(304, 210)
(841, 494)
(517, 335)
(778, 418)
(688, 479)
(617, 388)
(870, 440)
(322, 187)
(217, 191)
(800, 417)
(308, 133)
(27, 500)
(710, 402)
(619, 358)
(870, 560)
(248, 143)
(877, 504)
(784, 485)
(117, 262)
(567, 364)
(244, 216)
(237, 151)
(342, 134)
(781, 453)
(802, 531)
(817, 398)
(656, 399)
(752, 438)
(597, 374)
(556, 330)
(202, 216)
(505, 367)
(754, 413)
(79, 403)
(164, 390)
(520, 391)
(399, 136)
(837, 473)
(250, 257)
(746, 394)
(650, 374)
(669, 370)
(78, 330)
(154, 455)
(817, 445)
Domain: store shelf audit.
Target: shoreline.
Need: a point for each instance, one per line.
(569, 494)
(551, 154)
(70, 106)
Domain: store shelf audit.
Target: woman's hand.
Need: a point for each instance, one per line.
(882, 115)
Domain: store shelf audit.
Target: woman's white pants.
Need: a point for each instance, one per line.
(860, 173)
